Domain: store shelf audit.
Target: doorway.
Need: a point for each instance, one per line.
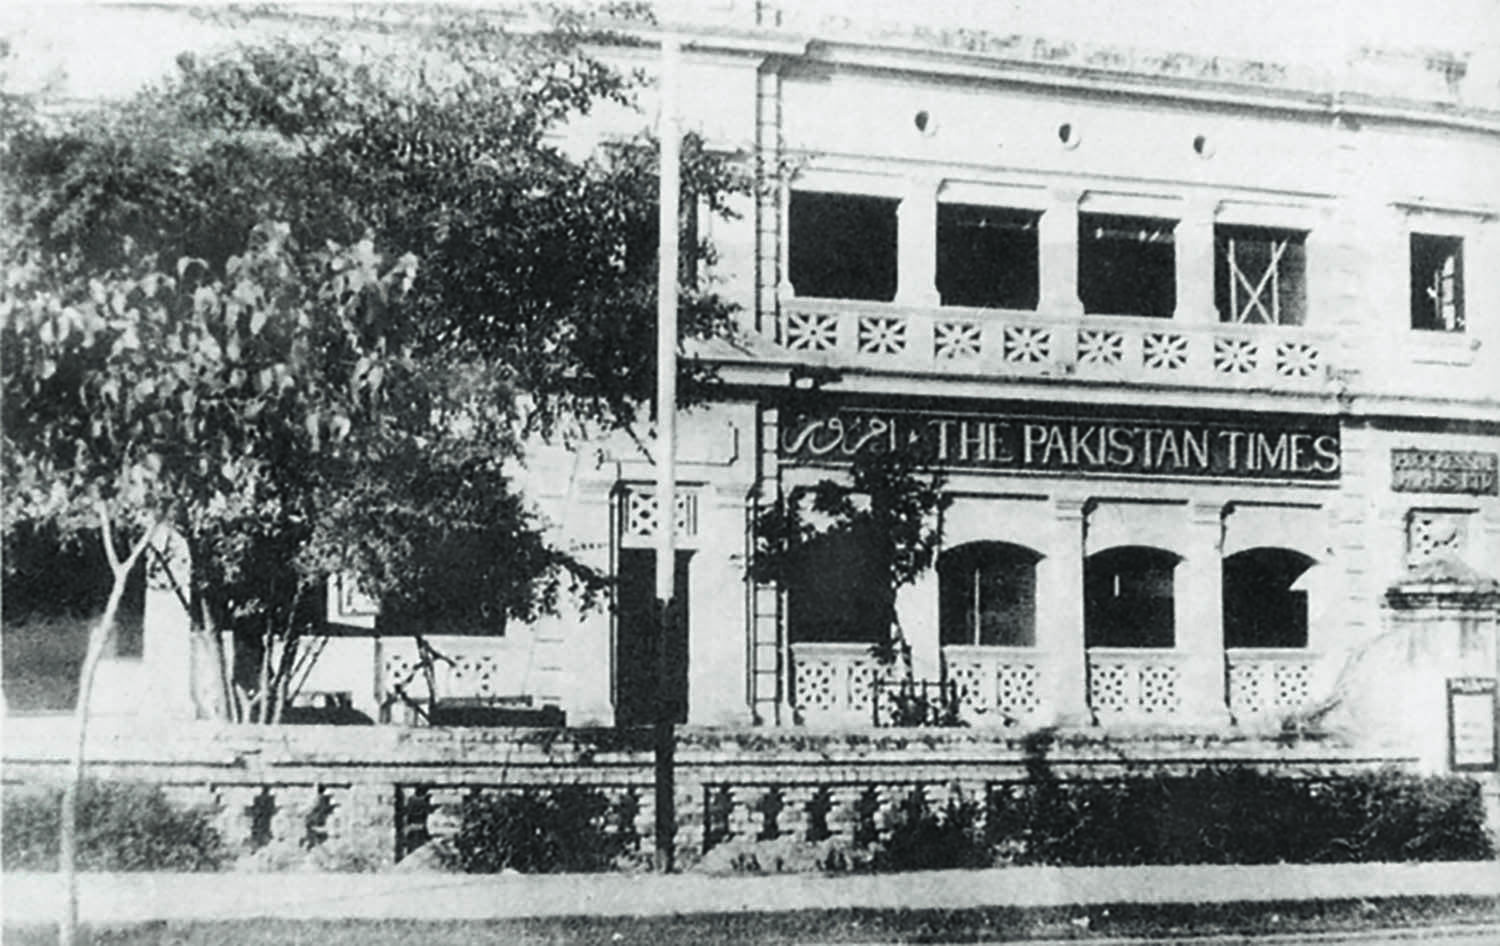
(635, 683)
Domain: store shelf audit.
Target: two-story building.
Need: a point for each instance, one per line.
(1206, 347)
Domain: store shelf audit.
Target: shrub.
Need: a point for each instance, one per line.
(783, 855)
(121, 827)
(917, 837)
(1239, 816)
(565, 829)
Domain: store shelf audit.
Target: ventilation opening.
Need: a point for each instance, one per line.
(1260, 275)
(987, 256)
(1126, 266)
(987, 595)
(1128, 598)
(1437, 274)
(843, 247)
(1264, 606)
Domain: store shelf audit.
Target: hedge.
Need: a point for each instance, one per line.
(570, 829)
(121, 827)
(1239, 816)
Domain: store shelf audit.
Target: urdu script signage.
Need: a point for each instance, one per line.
(1302, 448)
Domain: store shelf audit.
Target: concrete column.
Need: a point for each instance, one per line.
(585, 654)
(1199, 590)
(1059, 618)
(1194, 250)
(917, 609)
(167, 636)
(718, 632)
(916, 245)
(1057, 233)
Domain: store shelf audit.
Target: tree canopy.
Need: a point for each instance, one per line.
(306, 301)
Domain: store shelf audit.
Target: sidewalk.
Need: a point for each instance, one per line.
(125, 898)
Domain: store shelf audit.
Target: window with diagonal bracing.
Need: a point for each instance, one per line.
(1260, 275)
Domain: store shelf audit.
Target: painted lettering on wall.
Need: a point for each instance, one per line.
(1472, 472)
(1304, 449)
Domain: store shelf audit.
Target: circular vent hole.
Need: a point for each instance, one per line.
(1068, 135)
(924, 122)
(1202, 146)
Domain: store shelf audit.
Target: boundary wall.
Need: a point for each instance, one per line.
(312, 784)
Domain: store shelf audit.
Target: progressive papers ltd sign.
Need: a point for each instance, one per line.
(1301, 448)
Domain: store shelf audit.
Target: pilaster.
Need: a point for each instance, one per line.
(1059, 616)
(1057, 233)
(1194, 253)
(1200, 618)
(917, 610)
(916, 244)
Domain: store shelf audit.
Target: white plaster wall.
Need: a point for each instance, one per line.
(1116, 523)
(1022, 520)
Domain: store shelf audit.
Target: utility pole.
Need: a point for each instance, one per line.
(665, 740)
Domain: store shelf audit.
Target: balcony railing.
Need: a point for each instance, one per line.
(997, 686)
(1007, 343)
(1137, 684)
(1266, 683)
(835, 683)
(466, 670)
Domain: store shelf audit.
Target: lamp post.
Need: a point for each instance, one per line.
(666, 456)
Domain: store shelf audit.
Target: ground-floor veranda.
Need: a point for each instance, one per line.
(1198, 601)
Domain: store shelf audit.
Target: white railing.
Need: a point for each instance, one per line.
(1269, 682)
(1129, 683)
(835, 683)
(472, 669)
(997, 686)
(995, 342)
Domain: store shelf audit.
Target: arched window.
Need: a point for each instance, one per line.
(842, 594)
(1263, 604)
(1127, 597)
(987, 594)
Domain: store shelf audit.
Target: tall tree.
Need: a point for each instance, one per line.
(303, 304)
(531, 310)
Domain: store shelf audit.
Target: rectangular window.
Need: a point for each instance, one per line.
(1126, 266)
(1260, 275)
(842, 247)
(987, 256)
(1437, 283)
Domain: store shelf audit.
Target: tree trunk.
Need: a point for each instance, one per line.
(99, 636)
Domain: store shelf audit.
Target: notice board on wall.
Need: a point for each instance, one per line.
(1472, 724)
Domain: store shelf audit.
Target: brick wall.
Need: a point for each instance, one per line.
(392, 788)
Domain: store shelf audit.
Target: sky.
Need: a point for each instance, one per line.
(106, 50)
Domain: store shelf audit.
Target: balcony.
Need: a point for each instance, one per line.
(986, 343)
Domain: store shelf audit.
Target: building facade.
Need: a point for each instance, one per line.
(1206, 348)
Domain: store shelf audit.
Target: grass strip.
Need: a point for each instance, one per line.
(1081, 924)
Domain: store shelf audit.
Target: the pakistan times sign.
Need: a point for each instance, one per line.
(1471, 472)
(1281, 448)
